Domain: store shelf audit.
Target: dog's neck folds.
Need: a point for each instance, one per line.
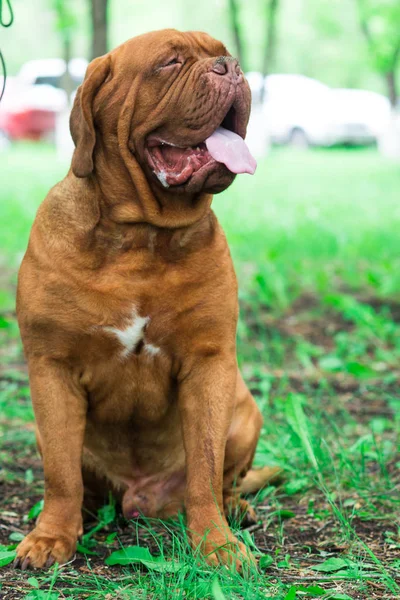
(131, 199)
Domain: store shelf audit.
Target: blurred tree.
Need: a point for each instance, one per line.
(270, 40)
(236, 31)
(380, 24)
(99, 27)
(66, 25)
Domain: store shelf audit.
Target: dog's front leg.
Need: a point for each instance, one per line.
(60, 410)
(206, 399)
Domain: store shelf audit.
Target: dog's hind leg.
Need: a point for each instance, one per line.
(239, 477)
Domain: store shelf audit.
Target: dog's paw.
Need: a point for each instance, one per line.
(232, 554)
(40, 549)
(219, 546)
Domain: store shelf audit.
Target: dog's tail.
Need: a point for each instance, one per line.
(256, 479)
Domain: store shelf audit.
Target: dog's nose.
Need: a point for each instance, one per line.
(226, 65)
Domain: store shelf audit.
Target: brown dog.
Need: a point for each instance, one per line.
(127, 301)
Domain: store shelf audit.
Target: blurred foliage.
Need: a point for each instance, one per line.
(380, 20)
(66, 18)
(319, 38)
(380, 24)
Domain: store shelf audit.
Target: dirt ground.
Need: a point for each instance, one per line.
(301, 537)
(296, 536)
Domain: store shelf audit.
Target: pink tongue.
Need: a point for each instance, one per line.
(229, 148)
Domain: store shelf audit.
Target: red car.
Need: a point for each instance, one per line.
(29, 111)
(33, 99)
(29, 124)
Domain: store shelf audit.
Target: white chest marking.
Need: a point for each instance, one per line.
(151, 349)
(132, 334)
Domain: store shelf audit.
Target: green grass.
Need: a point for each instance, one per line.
(313, 222)
(314, 238)
(305, 222)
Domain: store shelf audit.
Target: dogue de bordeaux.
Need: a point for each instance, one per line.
(127, 302)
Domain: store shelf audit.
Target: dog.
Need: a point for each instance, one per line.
(127, 303)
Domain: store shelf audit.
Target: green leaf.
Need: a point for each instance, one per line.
(331, 565)
(42, 595)
(33, 582)
(88, 542)
(330, 363)
(107, 514)
(164, 566)
(6, 556)
(4, 323)
(248, 539)
(265, 561)
(111, 537)
(138, 555)
(36, 510)
(129, 556)
(284, 563)
(216, 590)
(291, 595)
(285, 514)
(296, 485)
(29, 476)
(313, 590)
(84, 550)
(16, 536)
(358, 370)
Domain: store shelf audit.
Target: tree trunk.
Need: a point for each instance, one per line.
(270, 43)
(390, 75)
(99, 28)
(67, 83)
(392, 88)
(234, 18)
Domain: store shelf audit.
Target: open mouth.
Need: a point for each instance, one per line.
(175, 165)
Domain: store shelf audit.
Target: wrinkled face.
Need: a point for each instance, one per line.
(190, 87)
(177, 103)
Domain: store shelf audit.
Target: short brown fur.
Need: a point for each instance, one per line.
(164, 431)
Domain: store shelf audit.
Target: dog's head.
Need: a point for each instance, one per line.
(177, 104)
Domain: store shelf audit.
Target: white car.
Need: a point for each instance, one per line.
(301, 111)
(48, 71)
(358, 116)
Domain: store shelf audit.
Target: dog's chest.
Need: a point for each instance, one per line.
(128, 375)
(131, 336)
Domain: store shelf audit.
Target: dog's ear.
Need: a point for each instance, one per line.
(81, 121)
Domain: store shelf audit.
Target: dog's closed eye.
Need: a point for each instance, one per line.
(172, 63)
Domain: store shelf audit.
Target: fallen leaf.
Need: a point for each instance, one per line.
(331, 565)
